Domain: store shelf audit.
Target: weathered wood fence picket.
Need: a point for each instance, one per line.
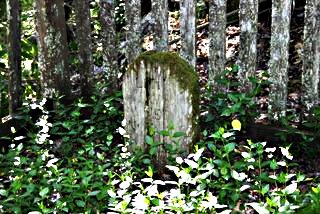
(248, 13)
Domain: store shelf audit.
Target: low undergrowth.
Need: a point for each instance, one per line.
(80, 163)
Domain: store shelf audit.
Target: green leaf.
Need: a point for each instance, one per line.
(75, 113)
(151, 131)
(149, 140)
(146, 161)
(315, 190)
(109, 137)
(170, 125)
(44, 192)
(265, 189)
(90, 130)
(178, 134)
(149, 172)
(229, 147)
(153, 150)
(233, 97)
(80, 203)
(224, 171)
(164, 133)
(273, 164)
(155, 202)
(226, 112)
(211, 147)
(94, 193)
(300, 177)
(82, 105)
(272, 202)
(3, 192)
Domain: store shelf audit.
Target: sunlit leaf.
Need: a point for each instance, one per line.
(259, 208)
(44, 192)
(236, 125)
(94, 193)
(227, 135)
(290, 189)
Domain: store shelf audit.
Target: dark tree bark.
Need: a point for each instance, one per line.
(82, 15)
(160, 12)
(217, 28)
(109, 41)
(14, 50)
(53, 48)
(133, 9)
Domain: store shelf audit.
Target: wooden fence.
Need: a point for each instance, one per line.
(248, 13)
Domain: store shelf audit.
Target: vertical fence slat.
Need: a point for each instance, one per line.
(311, 53)
(14, 50)
(188, 31)
(82, 16)
(217, 28)
(133, 19)
(53, 48)
(248, 15)
(278, 64)
(160, 38)
(109, 39)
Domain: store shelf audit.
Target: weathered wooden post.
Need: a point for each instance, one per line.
(248, 15)
(217, 29)
(311, 55)
(82, 17)
(279, 53)
(158, 88)
(14, 50)
(53, 48)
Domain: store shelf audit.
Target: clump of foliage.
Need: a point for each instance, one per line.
(232, 100)
(83, 169)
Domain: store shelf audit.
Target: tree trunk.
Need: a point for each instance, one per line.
(133, 17)
(14, 50)
(311, 53)
(278, 64)
(160, 88)
(248, 41)
(109, 41)
(160, 38)
(188, 31)
(53, 48)
(217, 46)
(82, 15)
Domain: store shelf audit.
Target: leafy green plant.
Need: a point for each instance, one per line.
(94, 122)
(221, 176)
(170, 141)
(232, 100)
